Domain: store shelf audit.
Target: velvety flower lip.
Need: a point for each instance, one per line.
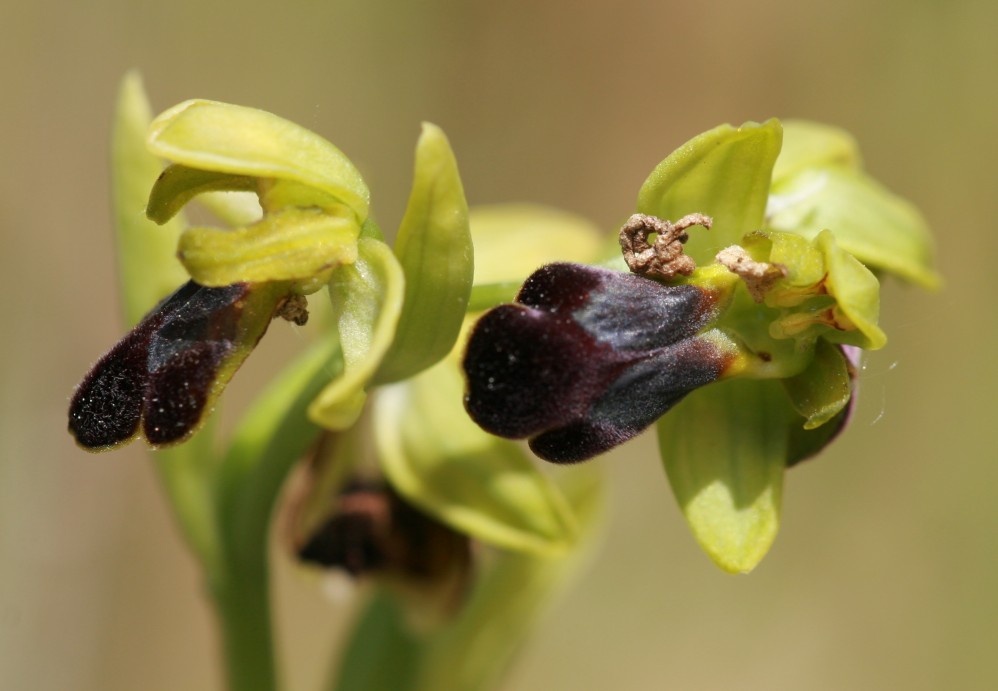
(164, 373)
(587, 358)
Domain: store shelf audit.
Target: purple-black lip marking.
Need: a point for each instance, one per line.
(160, 375)
(587, 358)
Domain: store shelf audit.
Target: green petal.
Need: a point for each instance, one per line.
(244, 141)
(821, 391)
(367, 301)
(435, 250)
(147, 268)
(439, 460)
(879, 228)
(811, 145)
(290, 245)
(857, 295)
(178, 184)
(724, 448)
(724, 173)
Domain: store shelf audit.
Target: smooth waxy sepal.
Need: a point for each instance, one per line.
(725, 450)
(723, 173)
(818, 185)
(164, 375)
(588, 357)
(435, 250)
(240, 141)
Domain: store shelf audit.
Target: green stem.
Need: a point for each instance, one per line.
(242, 604)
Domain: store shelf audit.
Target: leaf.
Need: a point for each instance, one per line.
(147, 268)
(435, 251)
(724, 448)
(367, 300)
(443, 463)
(724, 173)
(290, 245)
(233, 139)
(879, 228)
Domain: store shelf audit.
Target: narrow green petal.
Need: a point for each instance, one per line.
(367, 301)
(245, 141)
(178, 184)
(821, 391)
(857, 295)
(812, 145)
(724, 173)
(434, 247)
(879, 228)
(724, 448)
(291, 245)
(147, 268)
(439, 460)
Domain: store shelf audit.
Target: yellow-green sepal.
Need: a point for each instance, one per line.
(809, 144)
(435, 250)
(724, 448)
(147, 268)
(225, 138)
(290, 245)
(367, 300)
(723, 173)
(481, 485)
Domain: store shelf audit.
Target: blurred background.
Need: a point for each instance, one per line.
(885, 575)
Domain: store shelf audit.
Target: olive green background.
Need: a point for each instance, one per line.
(885, 575)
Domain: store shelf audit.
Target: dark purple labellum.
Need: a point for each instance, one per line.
(161, 376)
(372, 530)
(587, 359)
